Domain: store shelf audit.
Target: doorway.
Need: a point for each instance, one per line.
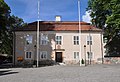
(58, 57)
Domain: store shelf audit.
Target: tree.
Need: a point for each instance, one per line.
(14, 22)
(7, 24)
(106, 15)
(113, 27)
(4, 17)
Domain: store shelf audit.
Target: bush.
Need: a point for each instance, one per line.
(44, 62)
(34, 62)
(82, 61)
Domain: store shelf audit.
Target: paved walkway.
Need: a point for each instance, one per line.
(94, 73)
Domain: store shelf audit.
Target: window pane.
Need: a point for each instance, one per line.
(58, 40)
(90, 38)
(90, 42)
(76, 40)
(77, 55)
(77, 37)
(43, 54)
(74, 55)
(74, 37)
(28, 39)
(44, 39)
(90, 55)
(28, 54)
(87, 42)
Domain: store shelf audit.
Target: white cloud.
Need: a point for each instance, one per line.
(86, 17)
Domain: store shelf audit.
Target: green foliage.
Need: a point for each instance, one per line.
(4, 16)
(106, 15)
(82, 61)
(7, 24)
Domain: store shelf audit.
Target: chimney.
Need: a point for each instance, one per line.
(58, 18)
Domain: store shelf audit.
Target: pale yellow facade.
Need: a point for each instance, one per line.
(67, 49)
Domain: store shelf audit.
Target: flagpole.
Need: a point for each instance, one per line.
(38, 35)
(79, 30)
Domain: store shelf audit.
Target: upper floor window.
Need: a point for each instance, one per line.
(89, 40)
(58, 40)
(44, 39)
(76, 40)
(28, 55)
(28, 39)
(43, 54)
(76, 55)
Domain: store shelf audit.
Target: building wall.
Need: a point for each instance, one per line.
(70, 48)
(67, 48)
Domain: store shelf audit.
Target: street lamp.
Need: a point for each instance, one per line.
(85, 53)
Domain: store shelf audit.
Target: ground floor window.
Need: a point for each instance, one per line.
(28, 55)
(43, 55)
(76, 55)
(90, 55)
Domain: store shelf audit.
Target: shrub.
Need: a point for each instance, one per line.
(82, 61)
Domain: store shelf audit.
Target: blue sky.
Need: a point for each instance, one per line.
(67, 9)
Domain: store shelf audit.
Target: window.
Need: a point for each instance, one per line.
(90, 55)
(76, 40)
(76, 55)
(105, 40)
(89, 40)
(28, 55)
(43, 54)
(28, 39)
(58, 40)
(44, 39)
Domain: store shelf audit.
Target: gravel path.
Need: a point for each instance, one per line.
(94, 73)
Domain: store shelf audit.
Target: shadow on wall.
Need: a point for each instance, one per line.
(45, 29)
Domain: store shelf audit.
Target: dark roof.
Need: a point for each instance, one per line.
(58, 26)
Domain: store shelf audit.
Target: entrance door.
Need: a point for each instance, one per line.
(58, 57)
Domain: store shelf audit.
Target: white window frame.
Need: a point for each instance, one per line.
(30, 57)
(76, 55)
(92, 57)
(29, 39)
(76, 40)
(89, 40)
(58, 41)
(44, 39)
(45, 53)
